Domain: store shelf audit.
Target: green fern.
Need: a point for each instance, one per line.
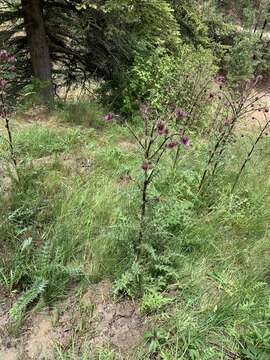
(17, 310)
(45, 255)
(129, 283)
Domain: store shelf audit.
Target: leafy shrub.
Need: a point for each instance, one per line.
(165, 80)
(192, 25)
(244, 57)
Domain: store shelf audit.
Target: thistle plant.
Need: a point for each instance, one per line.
(236, 103)
(158, 136)
(7, 73)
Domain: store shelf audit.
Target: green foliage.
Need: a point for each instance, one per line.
(202, 277)
(153, 301)
(244, 57)
(163, 80)
(129, 284)
(256, 343)
(96, 41)
(204, 271)
(29, 265)
(192, 25)
(37, 141)
(141, 18)
(27, 298)
(155, 339)
(30, 94)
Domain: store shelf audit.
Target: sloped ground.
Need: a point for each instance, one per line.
(93, 319)
(90, 319)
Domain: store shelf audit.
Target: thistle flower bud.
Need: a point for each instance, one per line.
(185, 141)
(172, 144)
(161, 128)
(220, 78)
(145, 165)
(109, 117)
(180, 113)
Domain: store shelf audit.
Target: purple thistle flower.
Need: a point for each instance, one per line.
(109, 117)
(185, 141)
(180, 113)
(161, 128)
(210, 96)
(172, 144)
(220, 78)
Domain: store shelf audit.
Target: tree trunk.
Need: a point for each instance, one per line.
(38, 46)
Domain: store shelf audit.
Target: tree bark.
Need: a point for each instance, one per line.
(38, 46)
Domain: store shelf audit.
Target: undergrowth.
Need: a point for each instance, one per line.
(205, 264)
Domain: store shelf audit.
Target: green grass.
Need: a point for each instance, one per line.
(36, 141)
(59, 227)
(84, 112)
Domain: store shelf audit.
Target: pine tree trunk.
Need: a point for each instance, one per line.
(38, 46)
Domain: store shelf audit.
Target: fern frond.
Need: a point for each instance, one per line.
(29, 296)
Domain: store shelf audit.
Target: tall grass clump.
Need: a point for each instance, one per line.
(84, 112)
(26, 214)
(37, 141)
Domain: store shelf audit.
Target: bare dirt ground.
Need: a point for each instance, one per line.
(256, 120)
(93, 321)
